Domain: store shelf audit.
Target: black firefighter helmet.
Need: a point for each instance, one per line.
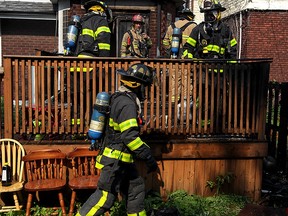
(186, 13)
(100, 6)
(211, 6)
(136, 75)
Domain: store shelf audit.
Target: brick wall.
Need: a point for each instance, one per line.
(21, 37)
(153, 33)
(265, 36)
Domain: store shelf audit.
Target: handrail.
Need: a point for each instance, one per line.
(54, 95)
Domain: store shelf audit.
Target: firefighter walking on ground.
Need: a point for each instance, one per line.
(121, 146)
(94, 39)
(135, 42)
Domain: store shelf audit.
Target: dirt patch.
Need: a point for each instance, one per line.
(259, 210)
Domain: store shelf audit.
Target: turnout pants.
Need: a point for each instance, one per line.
(117, 178)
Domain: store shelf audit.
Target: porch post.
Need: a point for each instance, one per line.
(8, 99)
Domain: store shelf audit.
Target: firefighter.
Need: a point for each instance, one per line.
(211, 39)
(186, 24)
(94, 39)
(121, 146)
(135, 42)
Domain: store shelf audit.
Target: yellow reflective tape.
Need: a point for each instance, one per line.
(233, 42)
(216, 70)
(116, 154)
(104, 46)
(102, 29)
(185, 37)
(84, 69)
(191, 41)
(99, 204)
(128, 124)
(142, 213)
(78, 121)
(165, 42)
(84, 56)
(135, 144)
(98, 164)
(34, 123)
(88, 32)
(187, 54)
(222, 51)
(214, 48)
(114, 125)
(203, 122)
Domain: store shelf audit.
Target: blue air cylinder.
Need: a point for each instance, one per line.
(175, 42)
(72, 34)
(100, 109)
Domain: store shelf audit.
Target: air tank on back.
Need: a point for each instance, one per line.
(100, 110)
(72, 34)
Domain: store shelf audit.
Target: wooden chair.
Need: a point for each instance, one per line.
(84, 173)
(12, 152)
(46, 171)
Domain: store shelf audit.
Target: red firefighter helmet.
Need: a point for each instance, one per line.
(138, 18)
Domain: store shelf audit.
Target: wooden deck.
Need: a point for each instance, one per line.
(221, 131)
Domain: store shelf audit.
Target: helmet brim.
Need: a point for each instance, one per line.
(125, 74)
(122, 72)
(221, 9)
(91, 3)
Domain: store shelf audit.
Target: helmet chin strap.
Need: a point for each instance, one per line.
(140, 92)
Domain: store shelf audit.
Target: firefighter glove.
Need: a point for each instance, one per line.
(151, 164)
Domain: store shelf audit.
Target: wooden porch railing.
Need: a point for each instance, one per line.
(277, 122)
(54, 95)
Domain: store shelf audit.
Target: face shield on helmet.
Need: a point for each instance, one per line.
(212, 16)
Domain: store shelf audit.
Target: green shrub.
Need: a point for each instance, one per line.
(188, 205)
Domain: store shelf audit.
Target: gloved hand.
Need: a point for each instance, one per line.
(151, 164)
(94, 146)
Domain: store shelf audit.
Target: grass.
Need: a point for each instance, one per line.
(178, 203)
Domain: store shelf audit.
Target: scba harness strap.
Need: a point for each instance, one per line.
(114, 137)
(142, 47)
